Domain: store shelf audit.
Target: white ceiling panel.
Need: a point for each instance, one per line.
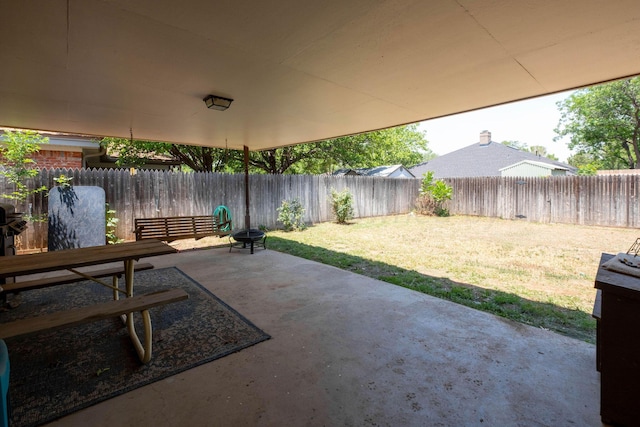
(298, 70)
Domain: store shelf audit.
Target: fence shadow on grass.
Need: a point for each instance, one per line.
(570, 322)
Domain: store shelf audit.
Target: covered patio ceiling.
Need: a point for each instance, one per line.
(298, 70)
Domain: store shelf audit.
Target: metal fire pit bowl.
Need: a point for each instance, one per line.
(252, 236)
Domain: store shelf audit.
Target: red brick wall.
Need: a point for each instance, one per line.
(49, 159)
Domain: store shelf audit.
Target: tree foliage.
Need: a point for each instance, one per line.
(287, 159)
(522, 146)
(585, 162)
(404, 145)
(539, 150)
(604, 122)
(200, 159)
(18, 166)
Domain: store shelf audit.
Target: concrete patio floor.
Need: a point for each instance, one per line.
(347, 350)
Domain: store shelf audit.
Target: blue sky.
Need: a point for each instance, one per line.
(531, 122)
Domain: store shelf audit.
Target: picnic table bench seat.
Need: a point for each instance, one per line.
(27, 285)
(173, 228)
(100, 311)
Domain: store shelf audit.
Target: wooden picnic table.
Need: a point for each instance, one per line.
(71, 259)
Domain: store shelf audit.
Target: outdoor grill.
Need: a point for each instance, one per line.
(11, 224)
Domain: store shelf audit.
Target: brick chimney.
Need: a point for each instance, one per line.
(485, 137)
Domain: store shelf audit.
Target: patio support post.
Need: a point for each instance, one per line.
(247, 216)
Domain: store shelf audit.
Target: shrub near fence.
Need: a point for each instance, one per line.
(164, 193)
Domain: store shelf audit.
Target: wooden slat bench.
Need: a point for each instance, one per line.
(28, 285)
(100, 311)
(173, 228)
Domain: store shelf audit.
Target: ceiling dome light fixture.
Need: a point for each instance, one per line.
(217, 102)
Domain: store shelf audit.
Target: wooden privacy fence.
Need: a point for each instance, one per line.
(163, 193)
(608, 200)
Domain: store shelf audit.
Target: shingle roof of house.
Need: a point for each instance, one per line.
(480, 159)
(381, 170)
(384, 171)
(537, 163)
(343, 172)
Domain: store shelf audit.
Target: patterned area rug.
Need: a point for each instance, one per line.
(56, 373)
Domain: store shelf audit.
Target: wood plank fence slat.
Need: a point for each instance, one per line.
(610, 200)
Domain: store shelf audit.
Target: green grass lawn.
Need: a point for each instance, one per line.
(538, 274)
